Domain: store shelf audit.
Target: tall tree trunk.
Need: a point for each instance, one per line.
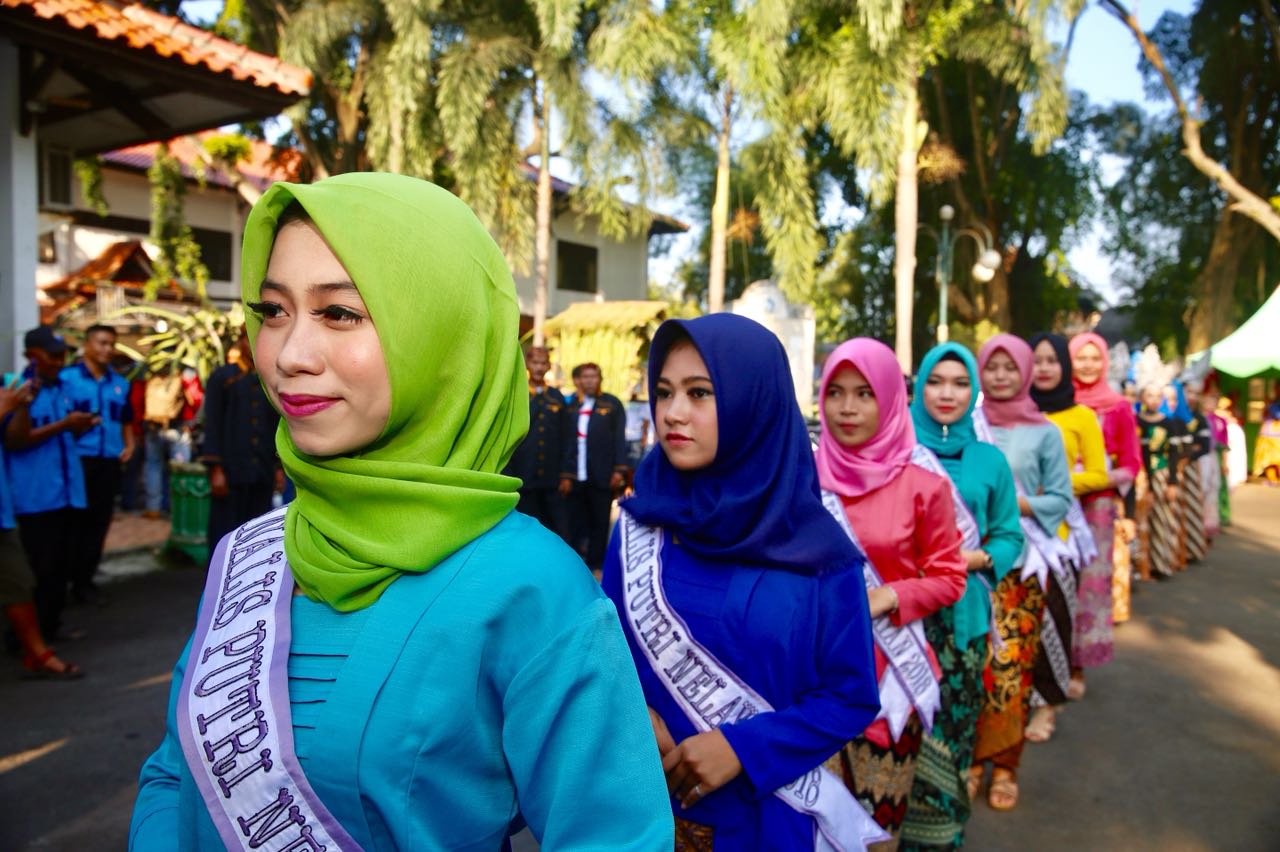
(906, 217)
(1215, 286)
(720, 209)
(542, 238)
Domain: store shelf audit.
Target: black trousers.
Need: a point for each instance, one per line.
(588, 509)
(101, 484)
(546, 506)
(50, 540)
(242, 503)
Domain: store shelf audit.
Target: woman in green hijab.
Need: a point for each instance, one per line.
(396, 660)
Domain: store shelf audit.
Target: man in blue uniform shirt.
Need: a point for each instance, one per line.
(92, 386)
(45, 475)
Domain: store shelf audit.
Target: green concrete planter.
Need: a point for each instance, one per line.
(189, 510)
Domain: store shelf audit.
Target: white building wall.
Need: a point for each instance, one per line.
(128, 194)
(622, 267)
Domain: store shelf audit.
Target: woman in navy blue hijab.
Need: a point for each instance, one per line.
(742, 601)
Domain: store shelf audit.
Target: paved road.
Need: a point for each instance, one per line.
(1177, 746)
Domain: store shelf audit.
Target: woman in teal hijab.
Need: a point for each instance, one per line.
(448, 669)
(946, 392)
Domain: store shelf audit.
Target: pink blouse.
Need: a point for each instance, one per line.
(908, 529)
(1120, 434)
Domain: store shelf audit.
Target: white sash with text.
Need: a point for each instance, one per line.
(233, 709)
(710, 694)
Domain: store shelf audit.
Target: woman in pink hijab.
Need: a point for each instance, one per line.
(1033, 606)
(902, 517)
(1090, 363)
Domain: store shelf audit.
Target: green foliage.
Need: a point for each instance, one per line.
(89, 172)
(1166, 219)
(198, 340)
(228, 148)
(179, 253)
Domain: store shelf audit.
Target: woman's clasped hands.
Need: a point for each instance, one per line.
(696, 767)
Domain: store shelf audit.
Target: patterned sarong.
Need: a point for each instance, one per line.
(881, 778)
(939, 805)
(1051, 673)
(1002, 722)
(1092, 637)
(1191, 496)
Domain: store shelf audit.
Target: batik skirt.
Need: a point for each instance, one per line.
(1052, 669)
(1007, 679)
(1091, 640)
(1191, 496)
(1160, 547)
(939, 805)
(880, 778)
(1125, 534)
(1211, 481)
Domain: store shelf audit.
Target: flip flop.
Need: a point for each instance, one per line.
(37, 668)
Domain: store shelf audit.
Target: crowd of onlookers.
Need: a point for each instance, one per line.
(79, 440)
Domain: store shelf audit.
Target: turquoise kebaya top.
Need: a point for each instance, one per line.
(986, 486)
(1038, 459)
(495, 688)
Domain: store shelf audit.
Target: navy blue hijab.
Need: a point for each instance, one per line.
(757, 503)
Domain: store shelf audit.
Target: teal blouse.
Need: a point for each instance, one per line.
(495, 687)
(986, 486)
(1038, 459)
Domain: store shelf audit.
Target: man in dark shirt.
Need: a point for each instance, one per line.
(594, 465)
(239, 444)
(536, 462)
(92, 386)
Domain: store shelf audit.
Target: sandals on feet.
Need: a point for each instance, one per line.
(1003, 795)
(37, 668)
(1042, 724)
(1075, 689)
(973, 784)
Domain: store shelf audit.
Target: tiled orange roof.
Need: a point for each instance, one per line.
(264, 166)
(135, 26)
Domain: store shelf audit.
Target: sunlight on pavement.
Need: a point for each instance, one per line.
(11, 762)
(1222, 657)
(154, 680)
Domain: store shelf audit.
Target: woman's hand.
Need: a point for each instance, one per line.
(666, 743)
(975, 560)
(1171, 493)
(699, 766)
(882, 600)
(1024, 507)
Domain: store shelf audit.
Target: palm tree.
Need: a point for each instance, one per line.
(869, 65)
(697, 71)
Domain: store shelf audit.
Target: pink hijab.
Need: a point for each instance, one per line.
(1099, 396)
(854, 472)
(1019, 409)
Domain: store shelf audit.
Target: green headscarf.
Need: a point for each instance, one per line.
(444, 305)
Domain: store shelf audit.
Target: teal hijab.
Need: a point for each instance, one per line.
(944, 440)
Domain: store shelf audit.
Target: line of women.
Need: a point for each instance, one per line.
(790, 649)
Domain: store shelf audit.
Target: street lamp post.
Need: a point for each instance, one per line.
(983, 271)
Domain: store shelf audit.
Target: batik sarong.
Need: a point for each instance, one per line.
(1051, 673)
(693, 837)
(1092, 637)
(1007, 679)
(1191, 497)
(880, 778)
(1158, 528)
(1211, 483)
(939, 806)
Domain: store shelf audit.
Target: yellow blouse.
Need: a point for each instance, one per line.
(1086, 452)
